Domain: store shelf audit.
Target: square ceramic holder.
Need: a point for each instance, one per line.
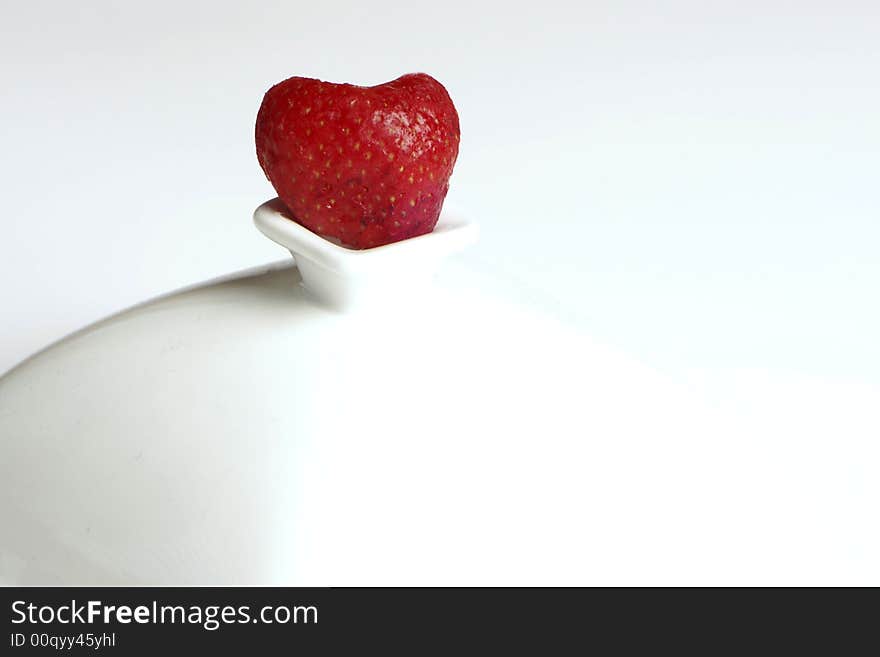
(342, 277)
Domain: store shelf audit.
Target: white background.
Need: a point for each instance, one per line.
(694, 184)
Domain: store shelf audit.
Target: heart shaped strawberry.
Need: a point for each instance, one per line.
(365, 166)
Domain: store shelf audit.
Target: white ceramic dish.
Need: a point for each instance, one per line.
(238, 432)
(343, 277)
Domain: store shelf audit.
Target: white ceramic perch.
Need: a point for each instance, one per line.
(343, 277)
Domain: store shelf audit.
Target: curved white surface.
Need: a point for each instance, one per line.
(237, 433)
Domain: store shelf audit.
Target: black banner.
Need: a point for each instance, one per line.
(149, 621)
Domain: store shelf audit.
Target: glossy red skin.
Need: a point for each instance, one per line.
(362, 165)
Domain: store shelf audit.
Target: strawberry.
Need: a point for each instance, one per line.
(363, 166)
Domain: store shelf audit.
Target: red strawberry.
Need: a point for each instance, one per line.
(362, 165)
